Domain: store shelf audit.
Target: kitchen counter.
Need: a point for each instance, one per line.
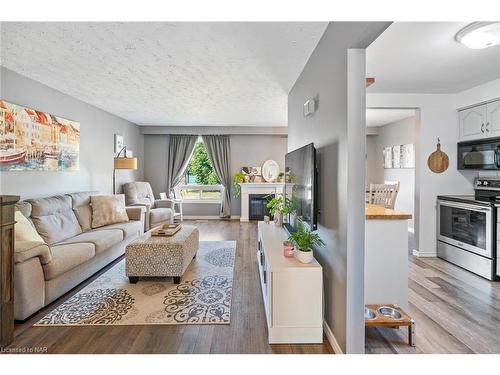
(374, 212)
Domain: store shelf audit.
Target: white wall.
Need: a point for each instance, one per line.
(97, 129)
(337, 129)
(396, 133)
(246, 150)
(438, 118)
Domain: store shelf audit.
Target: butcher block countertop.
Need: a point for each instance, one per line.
(374, 212)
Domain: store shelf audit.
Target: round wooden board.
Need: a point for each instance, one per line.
(438, 161)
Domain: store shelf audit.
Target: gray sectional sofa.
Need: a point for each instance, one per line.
(73, 251)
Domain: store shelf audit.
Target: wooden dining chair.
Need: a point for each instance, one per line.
(384, 194)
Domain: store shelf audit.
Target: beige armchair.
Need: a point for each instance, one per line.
(158, 211)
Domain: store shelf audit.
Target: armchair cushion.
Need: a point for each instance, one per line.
(164, 203)
(108, 209)
(138, 193)
(160, 216)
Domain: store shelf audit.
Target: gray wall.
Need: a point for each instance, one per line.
(97, 129)
(397, 133)
(246, 150)
(337, 130)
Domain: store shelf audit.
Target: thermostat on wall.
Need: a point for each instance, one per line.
(309, 107)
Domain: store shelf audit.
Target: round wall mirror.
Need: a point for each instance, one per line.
(270, 170)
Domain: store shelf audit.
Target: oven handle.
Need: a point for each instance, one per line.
(464, 206)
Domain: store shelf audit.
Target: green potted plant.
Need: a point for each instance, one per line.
(304, 240)
(278, 207)
(238, 178)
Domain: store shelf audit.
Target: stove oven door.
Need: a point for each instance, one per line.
(466, 226)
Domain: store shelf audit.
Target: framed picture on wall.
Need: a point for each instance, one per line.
(396, 156)
(118, 143)
(407, 156)
(387, 157)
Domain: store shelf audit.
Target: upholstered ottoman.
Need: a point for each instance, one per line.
(161, 256)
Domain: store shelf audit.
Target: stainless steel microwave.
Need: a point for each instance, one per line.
(483, 154)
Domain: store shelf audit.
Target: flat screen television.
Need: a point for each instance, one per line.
(301, 187)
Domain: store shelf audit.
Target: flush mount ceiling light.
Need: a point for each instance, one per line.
(479, 35)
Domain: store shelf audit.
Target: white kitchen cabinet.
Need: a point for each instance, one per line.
(481, 121)
(493, 118)
(292, 291)
(472, 123)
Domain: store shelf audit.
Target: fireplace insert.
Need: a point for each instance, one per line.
(257, 206)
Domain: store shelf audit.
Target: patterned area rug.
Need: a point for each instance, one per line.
(202, 297)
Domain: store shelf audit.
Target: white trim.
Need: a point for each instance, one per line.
(411, 230)
(421, 254)
(201, 201)
(197, 217)
(331, 339)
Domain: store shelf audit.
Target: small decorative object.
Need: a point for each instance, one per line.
(270, 170)
(238, 178)
(288, 249)
(266, 219)
(253, 173)
(278, 207)
(438, 161)
(304, 240)
(281, 177)
(119, 144)
(166, 230)
(32, 140)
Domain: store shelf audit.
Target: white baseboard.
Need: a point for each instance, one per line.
(421, 254)
(331, 339)
(194, 217)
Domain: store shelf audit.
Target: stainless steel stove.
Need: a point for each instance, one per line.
(467, 228)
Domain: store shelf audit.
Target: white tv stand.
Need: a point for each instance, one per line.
(292, 291)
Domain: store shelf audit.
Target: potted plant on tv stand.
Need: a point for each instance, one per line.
(278, 208)
(304, 240)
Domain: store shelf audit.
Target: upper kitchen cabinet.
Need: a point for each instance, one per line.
(482, 121)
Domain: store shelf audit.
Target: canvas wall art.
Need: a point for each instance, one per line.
(32, 140)
(399, 156)
(252, 174)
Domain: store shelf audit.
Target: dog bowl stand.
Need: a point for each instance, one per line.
(385, 321)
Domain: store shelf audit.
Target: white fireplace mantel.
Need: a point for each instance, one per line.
(248, 188)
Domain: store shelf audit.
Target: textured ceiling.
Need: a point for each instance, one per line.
(423, 57)
(168, 73)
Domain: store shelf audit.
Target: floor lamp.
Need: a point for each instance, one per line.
(122, 162)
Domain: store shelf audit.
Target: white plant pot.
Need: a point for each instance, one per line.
(304, 256)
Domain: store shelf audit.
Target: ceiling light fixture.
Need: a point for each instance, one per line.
(479, 35)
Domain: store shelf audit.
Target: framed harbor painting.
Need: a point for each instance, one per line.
(32, 140)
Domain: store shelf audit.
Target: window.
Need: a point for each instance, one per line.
(200, 183)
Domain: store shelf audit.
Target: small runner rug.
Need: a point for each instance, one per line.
(202, 297)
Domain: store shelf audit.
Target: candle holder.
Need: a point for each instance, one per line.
(288, 249)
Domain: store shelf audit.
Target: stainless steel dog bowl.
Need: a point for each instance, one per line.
(390, 312)
(369, 314)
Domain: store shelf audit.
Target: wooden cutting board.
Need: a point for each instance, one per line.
(438, 161)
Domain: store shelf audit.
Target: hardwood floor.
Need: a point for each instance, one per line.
(247, 332)
(455, 312)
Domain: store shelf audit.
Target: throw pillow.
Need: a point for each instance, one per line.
(108, 209)
(24, 230)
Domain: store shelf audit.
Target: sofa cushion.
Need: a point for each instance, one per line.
(54, 218)
(24, 207)
(65, 257)
(24, 230)
(102, 239)
(25, 250)
(108, 209)
(82, 208)
(131, 228)
(160, 215)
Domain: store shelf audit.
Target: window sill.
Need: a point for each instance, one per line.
(202, 201)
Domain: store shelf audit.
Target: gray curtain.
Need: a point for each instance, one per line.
(219, 152)
(180, 148)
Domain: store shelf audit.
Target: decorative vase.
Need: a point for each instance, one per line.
(278, 219)
(288, 249)
(304, 256)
